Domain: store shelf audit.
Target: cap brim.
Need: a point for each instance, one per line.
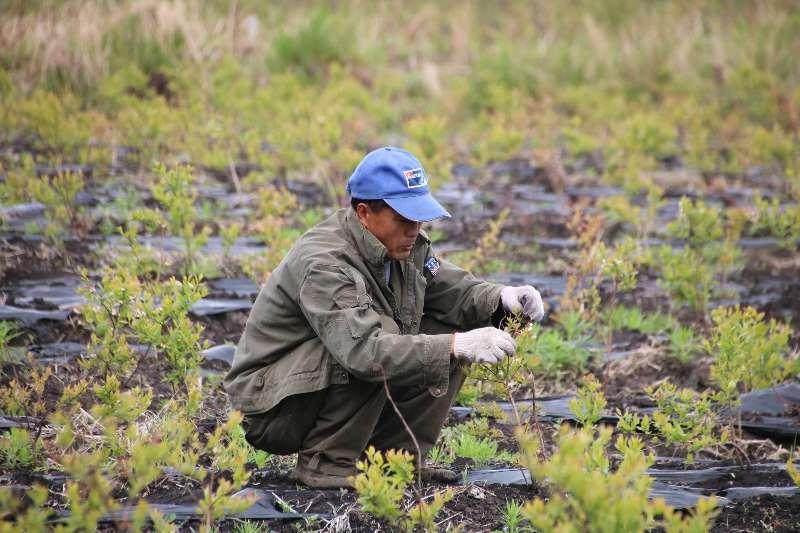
(423, 208)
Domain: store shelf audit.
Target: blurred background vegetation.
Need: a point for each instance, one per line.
(304, 89)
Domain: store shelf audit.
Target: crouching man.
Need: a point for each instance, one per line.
(361, 298)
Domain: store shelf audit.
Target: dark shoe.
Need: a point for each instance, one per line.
(321, 480)
(436, 473)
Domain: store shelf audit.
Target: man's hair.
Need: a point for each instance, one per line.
(374, 205)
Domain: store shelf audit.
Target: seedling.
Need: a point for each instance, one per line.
(381, 487)
(586, 496)
(588, 406)
(748, 351)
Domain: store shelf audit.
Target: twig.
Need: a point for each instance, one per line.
(283, 503)
(408, 429)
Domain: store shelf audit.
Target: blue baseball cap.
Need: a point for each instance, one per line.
(396, 177)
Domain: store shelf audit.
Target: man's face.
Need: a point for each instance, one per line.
(396, 233)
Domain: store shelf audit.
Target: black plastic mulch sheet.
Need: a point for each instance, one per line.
(263, 509)
(30, 316)
(773, 412)
(676, 497)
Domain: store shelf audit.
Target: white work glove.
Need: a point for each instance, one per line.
(483, 345)
(525, 299)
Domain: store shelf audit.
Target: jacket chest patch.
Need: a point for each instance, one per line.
(432, 264)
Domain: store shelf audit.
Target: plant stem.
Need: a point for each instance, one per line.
(408, 429)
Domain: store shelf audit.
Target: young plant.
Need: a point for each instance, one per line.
(513, 372)
(8, 332)
(586, 496)
(697, 223)
(686, 277)
(19, 450)
(481, 451)
(588, 406)
(58, 194)
(683, 344)
(791, 469)
(513, 518)
(748, 351)
(782, 223)
(381, 487)
(175, 192)
(686, 418)
(482, 259)
(272, 225)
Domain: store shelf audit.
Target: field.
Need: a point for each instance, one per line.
(637, 162)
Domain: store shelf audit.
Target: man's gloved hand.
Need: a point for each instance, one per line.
(483, 345)
(525, 299)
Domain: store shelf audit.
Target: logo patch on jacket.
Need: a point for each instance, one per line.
(415, 178)
(432, 265)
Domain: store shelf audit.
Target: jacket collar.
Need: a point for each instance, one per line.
(368, 246)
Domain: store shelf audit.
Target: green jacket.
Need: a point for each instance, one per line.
(326, 312)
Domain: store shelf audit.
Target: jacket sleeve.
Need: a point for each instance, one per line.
(336, 304)
(456, 297)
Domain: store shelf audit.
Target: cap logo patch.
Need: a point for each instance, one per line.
(415, 178)
(432, 264)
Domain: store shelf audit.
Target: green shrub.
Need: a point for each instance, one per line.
(748, 351)
(8, 332)
(686, 418)
(620, 318)
(18, 449)
(687, 278)
(586, 496)
(58, 195)
(588, 406)
(697, 223)
(323, 40)
(555, 353)
(684, 346)
(780, 223)
(174, 191)
(381, 487)
(513, 518)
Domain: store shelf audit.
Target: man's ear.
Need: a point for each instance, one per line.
(362, 210)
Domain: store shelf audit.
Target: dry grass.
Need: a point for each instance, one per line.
(626, 41)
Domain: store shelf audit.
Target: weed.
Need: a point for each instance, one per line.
(513, 518)
(259, 458)
(684, 346)
(481, 451)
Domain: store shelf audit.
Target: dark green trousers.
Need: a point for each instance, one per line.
(331, 428)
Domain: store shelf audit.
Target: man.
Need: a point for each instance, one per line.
(361, 298)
